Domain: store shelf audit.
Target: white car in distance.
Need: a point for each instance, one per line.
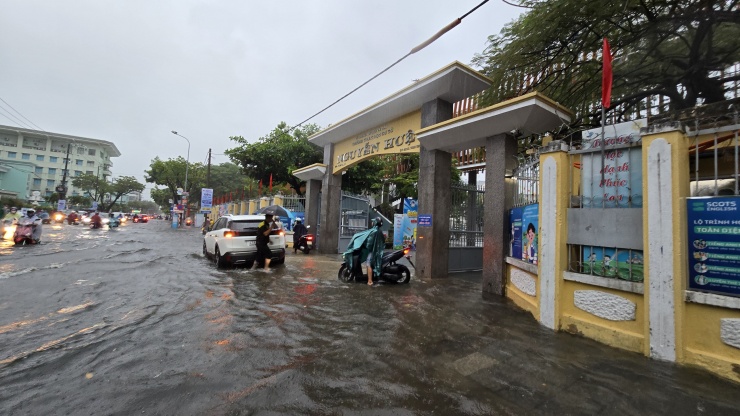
(233, 240)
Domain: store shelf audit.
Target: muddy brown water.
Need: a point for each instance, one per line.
(137, 321)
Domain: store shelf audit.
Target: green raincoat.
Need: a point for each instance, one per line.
(370, 240)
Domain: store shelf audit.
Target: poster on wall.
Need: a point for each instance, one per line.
(714, 244)
(529, 239)
(410, 214)
(613, 262)
(515, 245)
(608, 181)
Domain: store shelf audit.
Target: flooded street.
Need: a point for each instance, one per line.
(137, 321)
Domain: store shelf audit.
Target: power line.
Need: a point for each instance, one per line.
(413, 51)
(19, 113)
(17, 121)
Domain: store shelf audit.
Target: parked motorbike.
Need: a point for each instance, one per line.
(305, 243)
(390, 270)
(24, 234)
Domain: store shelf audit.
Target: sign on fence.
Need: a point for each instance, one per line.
(524, 225)
(714, 244)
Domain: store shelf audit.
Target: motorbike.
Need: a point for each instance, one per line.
(305, 243)
(8, 229)
(390, 270)
(188, 221)
(58, 218)
(24, 234)
(110, 222)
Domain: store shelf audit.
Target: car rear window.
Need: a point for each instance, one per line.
(245, 228)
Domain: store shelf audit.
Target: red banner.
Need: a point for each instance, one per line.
(606, 76)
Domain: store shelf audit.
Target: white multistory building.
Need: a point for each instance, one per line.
(32, 162)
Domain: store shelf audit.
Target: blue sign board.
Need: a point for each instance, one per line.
(515, 244)
(714, 244)
(424, 220)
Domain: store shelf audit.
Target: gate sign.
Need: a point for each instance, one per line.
(206, 198)
(714, 244)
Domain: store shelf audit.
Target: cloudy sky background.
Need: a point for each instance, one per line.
(131, 71)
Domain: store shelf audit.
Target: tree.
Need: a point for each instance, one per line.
(161, 197)
(171, 175)
(228, 177)
(92, 185)
(277, 154)
(676, 50)
(148, 207)
(121, 186)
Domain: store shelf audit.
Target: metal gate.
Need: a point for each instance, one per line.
(466, 228)
(354, 217)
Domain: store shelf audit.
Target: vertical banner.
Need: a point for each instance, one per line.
(61, 205)
(410, 213)
(621, 166)
(206, 198)
(714, 244)
(530, 223)
(515, 245)
(398, 231)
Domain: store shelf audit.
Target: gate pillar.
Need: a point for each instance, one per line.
(500, 151)
(331, 204)
(433, 243)
(313, 191)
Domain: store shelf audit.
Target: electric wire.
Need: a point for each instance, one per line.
(413, 51)
(20, 114)
(15, 120)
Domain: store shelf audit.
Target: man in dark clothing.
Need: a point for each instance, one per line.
(299, 230)
(263, 239)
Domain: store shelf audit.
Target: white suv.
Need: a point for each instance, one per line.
(232, 240)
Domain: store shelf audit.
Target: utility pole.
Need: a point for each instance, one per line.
(62, 189)
(208, 177)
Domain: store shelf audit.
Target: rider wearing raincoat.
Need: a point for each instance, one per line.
(365, 243)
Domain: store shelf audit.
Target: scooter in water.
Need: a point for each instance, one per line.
(24, 234)
(110, 222)
(305, 243)
(390, 270)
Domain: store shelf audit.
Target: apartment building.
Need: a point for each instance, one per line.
(32, 162)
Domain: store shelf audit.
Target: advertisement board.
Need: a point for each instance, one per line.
(206, 198)
(714, 244)
(397, 231)
(515, 245)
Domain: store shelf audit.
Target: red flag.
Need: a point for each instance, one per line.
(250, 189)
(260, 187)
(271, 183)
(606, 76)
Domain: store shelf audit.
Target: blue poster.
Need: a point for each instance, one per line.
(409, 222)
(515, 244)
(530, 223)
(714, 244)
(425, 220)
(612, 262)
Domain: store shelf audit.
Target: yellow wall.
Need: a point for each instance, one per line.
(521, 299)
(702, 341)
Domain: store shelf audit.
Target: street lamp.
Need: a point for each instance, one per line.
(187, 165)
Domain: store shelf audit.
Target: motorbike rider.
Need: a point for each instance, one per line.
(36, 222)
(72, 217)
(299, 230)
(13, 215)
(96, 221)
(368, 247)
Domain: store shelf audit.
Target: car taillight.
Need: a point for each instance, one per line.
(228, 234)
(309, 238)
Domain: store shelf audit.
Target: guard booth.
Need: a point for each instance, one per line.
(419, 118)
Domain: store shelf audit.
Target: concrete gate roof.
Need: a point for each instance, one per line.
(529, 113)
(452, 83)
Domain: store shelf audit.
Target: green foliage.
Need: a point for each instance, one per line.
(171, 175)
(228, 177)
(147, 207)
(121, 186)
(672, 48)
(365, 177)
(92, 185)
(161, 197)
(277, 154)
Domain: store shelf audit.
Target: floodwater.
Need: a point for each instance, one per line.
(137, 321)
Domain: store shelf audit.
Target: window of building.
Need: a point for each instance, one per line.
(65, 160)
(12, 155)
(25, 156)
(39, 158)
(39, 170)
(49, 183)
(91, 152)
(37, 183)
(81, 150)
(65, 172)
(48, 193)
(90, 163)
(53, 159)
(52, 171)
(89, 172)
(78, 173)
(78, 162)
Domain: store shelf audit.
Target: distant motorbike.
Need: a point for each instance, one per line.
(58, 218)
(24, 234)
(110, 222)
(188, 221)
(305, 243)
(8, 229)
(390, 270)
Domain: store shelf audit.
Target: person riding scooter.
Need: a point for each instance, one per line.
(96, 221)
(299, 230)
(366, 248)
(73, 218)
(33, 220)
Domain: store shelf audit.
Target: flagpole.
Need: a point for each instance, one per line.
(603, 156)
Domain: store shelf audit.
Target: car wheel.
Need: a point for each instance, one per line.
(218, 259)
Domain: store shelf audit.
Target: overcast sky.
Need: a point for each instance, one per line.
(130, 71)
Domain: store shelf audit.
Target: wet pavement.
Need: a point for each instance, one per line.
(137, 321)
